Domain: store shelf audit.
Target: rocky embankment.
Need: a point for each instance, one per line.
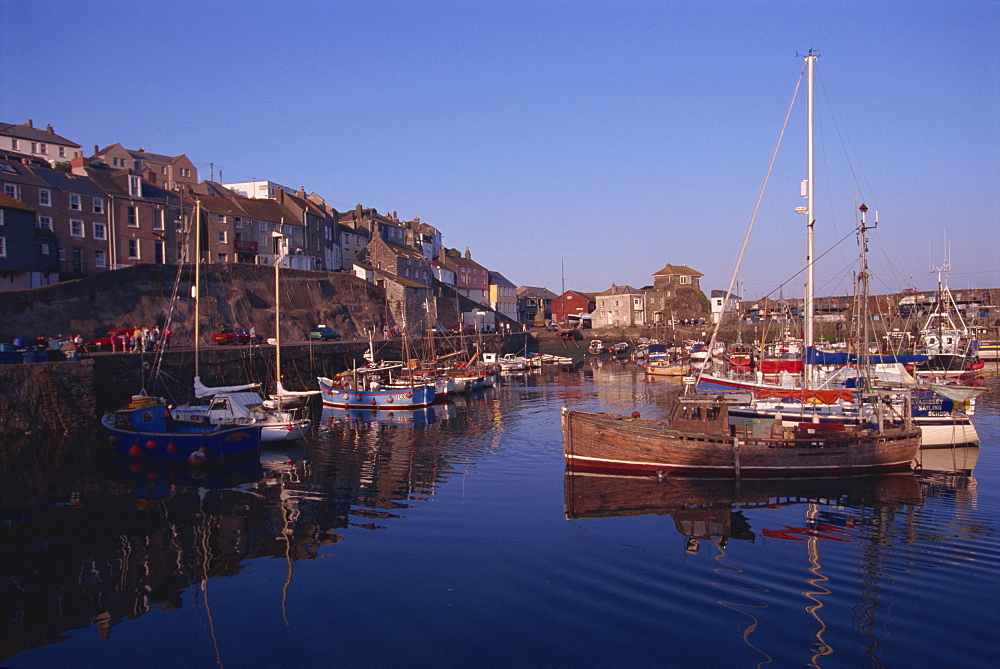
(232, 295)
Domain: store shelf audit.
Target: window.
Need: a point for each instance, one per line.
(222, 236)
(221, 218)
(133, 249)
(238, 222)
(684, 279)
(185, 172)
(11, 190)
(43, 148)
(100, 231)
(133, 216)
(34, 147)
(62, 254)
(76, 228)
(98, 205)
(3, 247)
(74, 202)
(100, 259)
(46, 250)
(134, 185)
(221, 258)
(62, 151)
(44, 197)
(45, 222)
(13, 143)
(160, 220)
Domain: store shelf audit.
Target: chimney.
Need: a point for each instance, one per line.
(468, 253)
(30, 123)
(96, 149)
(49, 129)
(78, 166)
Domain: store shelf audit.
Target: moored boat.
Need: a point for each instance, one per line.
(145, 428)
(698, 438)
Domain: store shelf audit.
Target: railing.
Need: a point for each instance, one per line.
(245, 247)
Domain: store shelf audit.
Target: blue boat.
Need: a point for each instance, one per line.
(352, 391)
(145, 429)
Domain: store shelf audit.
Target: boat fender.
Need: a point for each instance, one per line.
(150, 444)
(636, 414)
(134, 451)
(389, 399)
(171, 447)
(374, 402)
(197, 458)
(408, 395)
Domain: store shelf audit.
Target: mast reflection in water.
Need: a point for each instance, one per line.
(453, 536)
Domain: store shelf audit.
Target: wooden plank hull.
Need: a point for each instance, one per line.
(607, 442)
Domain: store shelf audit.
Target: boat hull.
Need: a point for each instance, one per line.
(189, 443)
(606, 442)
(383, 398)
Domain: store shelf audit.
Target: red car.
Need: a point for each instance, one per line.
(116, 337)
(236, 336)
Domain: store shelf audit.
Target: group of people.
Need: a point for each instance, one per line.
(141, 340)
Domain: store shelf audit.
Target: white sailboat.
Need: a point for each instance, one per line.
(234, 405)
(829, 396)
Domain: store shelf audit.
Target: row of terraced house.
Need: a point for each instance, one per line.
(65, 216)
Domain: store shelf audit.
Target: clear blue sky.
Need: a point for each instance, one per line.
(608, 137)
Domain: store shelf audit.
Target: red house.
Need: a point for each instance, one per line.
(572, 303)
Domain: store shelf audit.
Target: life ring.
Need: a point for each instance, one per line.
(257, 410)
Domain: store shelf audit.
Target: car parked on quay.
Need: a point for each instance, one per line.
(324, 333)
(236, 336)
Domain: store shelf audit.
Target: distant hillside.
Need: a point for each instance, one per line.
(240, 295)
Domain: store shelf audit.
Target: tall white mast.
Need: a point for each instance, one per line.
(808, 335)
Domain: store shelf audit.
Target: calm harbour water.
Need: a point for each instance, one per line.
(453, 537)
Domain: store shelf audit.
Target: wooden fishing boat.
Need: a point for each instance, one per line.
(698, 438)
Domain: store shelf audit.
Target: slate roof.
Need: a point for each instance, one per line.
(678, 269)
(32, 134)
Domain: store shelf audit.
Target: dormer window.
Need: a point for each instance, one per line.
(134, 185)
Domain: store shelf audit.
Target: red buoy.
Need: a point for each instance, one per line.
(150, 444)
(171, 447)
(635, 414)
(134, 451)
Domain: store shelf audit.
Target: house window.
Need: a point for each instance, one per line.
(134, 185)
(684, 280)
(74, 202)
(221, 218)
(44, 197)
(45, 222)
(222, 236)
(62, 151)
(43, 148)
(3, 247)
(238, 222)
(76, 228)
(11, 190)
(98, 205)
(133, 249)
(221, 258)
(100, 231)
(46, 250)
(13, 143)
(133, 217)
(62, 254)
(100, 259)
(185, 171)
(160, 220)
